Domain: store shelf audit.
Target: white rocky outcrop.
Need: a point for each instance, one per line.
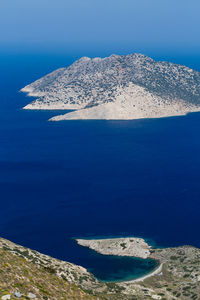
(134, 102)
(135, 247)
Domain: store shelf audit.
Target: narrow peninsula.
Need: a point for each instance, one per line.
(136, 247)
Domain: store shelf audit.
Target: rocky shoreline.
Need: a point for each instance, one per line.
(136, 247)
(27, 272)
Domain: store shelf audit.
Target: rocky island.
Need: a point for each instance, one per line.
(118, 88)
(28, 274)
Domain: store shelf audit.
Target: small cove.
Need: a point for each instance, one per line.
(113, 268)
(110, 268)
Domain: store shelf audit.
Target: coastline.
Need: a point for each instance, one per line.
(132, 247)
(126, 107)
(123, 247)
(72, 113)
(178, 271)
(155, 272)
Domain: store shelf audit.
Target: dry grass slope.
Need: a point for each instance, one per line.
(19, 275)
(27, 271)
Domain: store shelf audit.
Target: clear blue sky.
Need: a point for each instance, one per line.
(98, 27)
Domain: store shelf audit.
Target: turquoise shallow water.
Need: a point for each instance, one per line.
(117, 269)
(93, 178)
(111, 268)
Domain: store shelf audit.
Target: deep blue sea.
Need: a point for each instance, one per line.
(60, 180)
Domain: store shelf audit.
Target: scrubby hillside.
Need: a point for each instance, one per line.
(28, 274)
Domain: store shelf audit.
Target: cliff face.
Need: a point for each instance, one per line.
(118, 87)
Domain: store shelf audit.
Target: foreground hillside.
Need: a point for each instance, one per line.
(118, 87)
(22, 279)
(28, 274)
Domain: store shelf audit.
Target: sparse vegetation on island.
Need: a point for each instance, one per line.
(118, 87)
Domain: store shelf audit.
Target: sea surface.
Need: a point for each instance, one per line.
(89, 179)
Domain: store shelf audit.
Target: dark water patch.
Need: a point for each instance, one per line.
(94, 178)
(115, 268)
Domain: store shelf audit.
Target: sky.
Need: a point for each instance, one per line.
(100, 27)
